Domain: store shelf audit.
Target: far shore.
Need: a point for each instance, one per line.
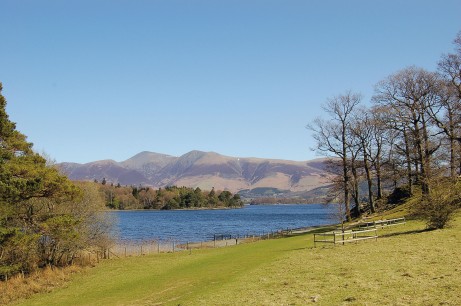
(178, 209)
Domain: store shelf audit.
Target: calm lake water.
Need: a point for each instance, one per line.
(202, 225)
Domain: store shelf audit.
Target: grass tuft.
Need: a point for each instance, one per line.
(41, 281)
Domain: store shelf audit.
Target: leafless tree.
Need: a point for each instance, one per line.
(447, 114)
(362, 128)
(331, 135)
(411, 92)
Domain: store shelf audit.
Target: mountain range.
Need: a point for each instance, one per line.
(205, 170)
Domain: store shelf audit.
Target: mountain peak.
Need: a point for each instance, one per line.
(139, 160)
(205, 170)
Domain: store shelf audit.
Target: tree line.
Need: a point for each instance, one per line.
(408, 141)
(45, 219)
(171, 197)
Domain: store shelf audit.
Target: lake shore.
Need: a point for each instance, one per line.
(182, 226)
(421, 264)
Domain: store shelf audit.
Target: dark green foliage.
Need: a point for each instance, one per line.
(43, 215)
(172, 197)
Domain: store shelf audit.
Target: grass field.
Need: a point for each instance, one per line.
(406, 266)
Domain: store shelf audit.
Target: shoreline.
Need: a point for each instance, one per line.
(214, 208)
(176, 209)
(141, 248)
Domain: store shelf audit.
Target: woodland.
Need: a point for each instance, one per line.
(408, 142)
(171, 197)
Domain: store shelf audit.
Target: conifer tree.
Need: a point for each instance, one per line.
(25, 182)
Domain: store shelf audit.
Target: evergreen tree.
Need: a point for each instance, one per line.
(25, 181)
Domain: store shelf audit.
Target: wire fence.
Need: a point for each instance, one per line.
(141, 248)
(127, 249)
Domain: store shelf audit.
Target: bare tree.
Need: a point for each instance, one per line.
(411, 92)
(447, 114)
(362, 127)
(331, 135)
(354, 166)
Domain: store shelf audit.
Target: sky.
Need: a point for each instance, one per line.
(97, 79)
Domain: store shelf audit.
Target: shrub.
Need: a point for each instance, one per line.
(440, 205)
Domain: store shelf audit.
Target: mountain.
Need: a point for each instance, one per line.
(204, 170)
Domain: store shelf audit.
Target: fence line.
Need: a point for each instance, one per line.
(345, 236)
(129, 249)
(383, 223)
(170, 246)
(367, 230)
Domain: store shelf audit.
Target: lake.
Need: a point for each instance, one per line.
(202, 225)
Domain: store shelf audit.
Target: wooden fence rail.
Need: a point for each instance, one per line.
(367, 230)
(383, 223)
(345, 236)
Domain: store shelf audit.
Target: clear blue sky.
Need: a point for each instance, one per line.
(93, 79)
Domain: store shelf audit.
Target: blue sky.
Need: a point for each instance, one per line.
(90, 80)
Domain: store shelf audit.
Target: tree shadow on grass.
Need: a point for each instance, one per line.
(412, 232)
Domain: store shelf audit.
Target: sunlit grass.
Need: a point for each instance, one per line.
(413, 267)
(406, 266)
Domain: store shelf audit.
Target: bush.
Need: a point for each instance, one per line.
(439, 207)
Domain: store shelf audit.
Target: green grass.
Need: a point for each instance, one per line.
(406, 266)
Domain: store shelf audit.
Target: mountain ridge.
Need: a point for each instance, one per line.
(205, 170)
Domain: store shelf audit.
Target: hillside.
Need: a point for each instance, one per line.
(204, 170)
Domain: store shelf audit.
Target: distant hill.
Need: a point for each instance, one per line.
(205, 170)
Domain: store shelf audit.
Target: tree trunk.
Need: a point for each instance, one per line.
(378, 177)
(346, 190)
(452, 158)
(426, 160)
(369, 180)
(408, 158)
(355, 190)
(345, 174)
(422, 177)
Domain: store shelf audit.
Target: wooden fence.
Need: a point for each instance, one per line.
(367, 230)
(383, 223)
(345, 236)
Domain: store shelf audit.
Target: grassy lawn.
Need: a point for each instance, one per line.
(406, 266)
